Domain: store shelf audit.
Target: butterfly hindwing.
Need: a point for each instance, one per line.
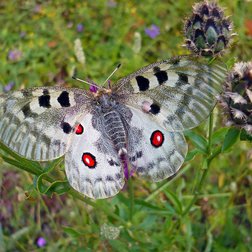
(159, 153)
(37, 123)
(92, 165)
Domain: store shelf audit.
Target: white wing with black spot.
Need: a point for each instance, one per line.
(157, 154)
(93, 166)
(38, 123)
(180, 92)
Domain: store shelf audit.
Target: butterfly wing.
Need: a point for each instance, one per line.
(179, 93)
(38, 123)
(92, 164)
(157, 153)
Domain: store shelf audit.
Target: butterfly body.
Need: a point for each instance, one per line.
(110, 118)
(136, 124)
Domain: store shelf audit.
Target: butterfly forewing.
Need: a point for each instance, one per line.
(180, 92)
(37, 123)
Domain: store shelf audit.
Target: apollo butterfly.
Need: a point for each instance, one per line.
(138, 122)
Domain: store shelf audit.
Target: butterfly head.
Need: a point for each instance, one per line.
(104, 99)
(102, 91)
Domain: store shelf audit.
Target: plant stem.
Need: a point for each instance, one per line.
(76, 195)
(131, 196)
(211, 156)
(165, 184)
(210, 133)
(213, 195)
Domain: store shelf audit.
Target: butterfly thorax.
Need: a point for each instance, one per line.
(105, 103)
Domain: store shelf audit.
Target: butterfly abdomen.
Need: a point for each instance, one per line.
(115, 130)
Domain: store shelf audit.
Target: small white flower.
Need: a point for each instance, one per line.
(79, 52)
(110, 232)
(137, 42)
(233, 187)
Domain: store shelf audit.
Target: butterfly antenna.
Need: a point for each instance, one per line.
(89, 83)
(118, 66)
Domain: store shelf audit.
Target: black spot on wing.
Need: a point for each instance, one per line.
(183, 77)
(143, 83)
(26, 92)
(139, 154)
(175, 60)
(109, 178)
(112, 163)
(45, 92)
(4, 108)
(140, 169)
(118, 176)
(162, 77)
(156, 69)
(66, 127)
(155, 108)
(27, 111)
(63, 99)
(88, 180)
(44, 101)
(98, 180)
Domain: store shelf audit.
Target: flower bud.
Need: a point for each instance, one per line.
(207, 31)
(237, 98)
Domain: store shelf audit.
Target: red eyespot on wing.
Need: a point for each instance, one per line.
(79, 129)
(157, 138)
(89, 160)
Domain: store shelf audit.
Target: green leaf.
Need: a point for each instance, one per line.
(59, 187)
(191, 154)
(20, 162)
(230, 139)
(71, 232)
(245, 136)
(42, 188)
(175, 201)
(199, 141)
(219, 135)
(118, 245)
(148, 205)
(52, 165)
(2, 243)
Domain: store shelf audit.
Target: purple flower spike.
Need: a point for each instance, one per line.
(93, 89)
(9, 86)
(80, 28)
(111, 3)
(126, 170)
(14, 55)
(41, 242)
(22, 34)
(152, 31)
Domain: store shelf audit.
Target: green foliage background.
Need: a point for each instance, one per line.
(163, 216)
